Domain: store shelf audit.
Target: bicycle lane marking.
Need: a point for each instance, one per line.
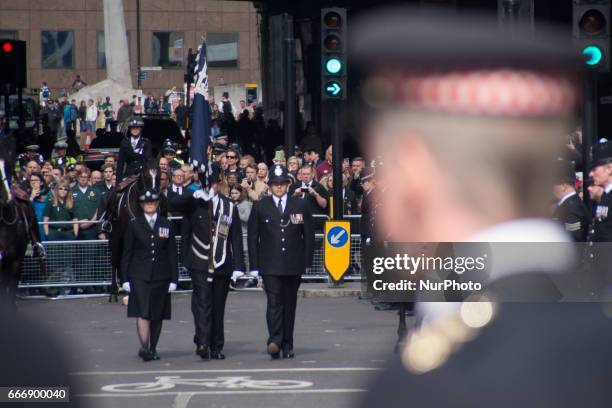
(229, 392)
(226, 385)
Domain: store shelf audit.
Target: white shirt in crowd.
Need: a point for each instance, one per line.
(92, 113)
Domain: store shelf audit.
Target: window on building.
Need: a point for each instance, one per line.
(9, 34)
(101, 51)
(57, 49)
(222, 50)
(167, 49)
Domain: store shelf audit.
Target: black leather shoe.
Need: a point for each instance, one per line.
(274, 351)
(288, 353)
(203, 352)
(154, 355)
(217, 355)
(145, 354)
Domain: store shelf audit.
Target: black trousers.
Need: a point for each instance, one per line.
(280, 314)
(208, 308)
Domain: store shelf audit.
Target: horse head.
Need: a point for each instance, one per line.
(150, 176)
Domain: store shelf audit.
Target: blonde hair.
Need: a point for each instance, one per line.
(69, 203)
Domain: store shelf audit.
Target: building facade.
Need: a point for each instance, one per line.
(65, 38)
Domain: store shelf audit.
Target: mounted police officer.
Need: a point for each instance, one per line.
(134, 150)
(149, 272)
(210, 290)
(169, 152)
(281, 244)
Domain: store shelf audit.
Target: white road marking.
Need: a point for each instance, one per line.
(231, 392)
(182, 400)
(239, 370)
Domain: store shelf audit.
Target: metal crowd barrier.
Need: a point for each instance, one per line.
(88, 263)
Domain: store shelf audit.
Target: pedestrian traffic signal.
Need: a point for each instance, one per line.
(591, 29)
(13, 67)
(333, 53)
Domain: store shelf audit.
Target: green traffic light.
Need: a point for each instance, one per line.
(333, 88)
(333, 65)
(592, 54)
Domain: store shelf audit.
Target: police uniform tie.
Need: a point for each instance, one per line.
(152, 223)
(280, 206)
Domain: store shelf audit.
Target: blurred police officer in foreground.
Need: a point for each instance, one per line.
(149, 272)
(210, 291)
(281, 244)
(472, 118)
(570, 211)
(134, 150)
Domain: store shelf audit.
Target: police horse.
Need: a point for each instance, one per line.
(122, 208)
(14, 237)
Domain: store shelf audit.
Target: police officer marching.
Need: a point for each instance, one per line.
(134, 150)
(281, 244)
(149, 272)
(210, 290)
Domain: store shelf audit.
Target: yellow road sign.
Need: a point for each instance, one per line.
(337, 248)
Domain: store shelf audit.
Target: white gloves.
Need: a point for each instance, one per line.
(201, 194)
(254, 274)
(172, 287)
(236, 275)
(126, 286)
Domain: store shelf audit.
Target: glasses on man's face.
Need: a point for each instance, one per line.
(231, 157)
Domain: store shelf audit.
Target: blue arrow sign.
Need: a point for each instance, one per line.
(337, 237)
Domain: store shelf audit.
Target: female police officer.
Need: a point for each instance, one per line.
(149, 272)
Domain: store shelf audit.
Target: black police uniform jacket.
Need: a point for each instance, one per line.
(574, 217)
(280, 245)
(149, 254)
(195, 234)
(133, 159)
(602, 220)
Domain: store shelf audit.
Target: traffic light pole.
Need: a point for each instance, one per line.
(589, 128)
(7, 111)
(337, 159)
